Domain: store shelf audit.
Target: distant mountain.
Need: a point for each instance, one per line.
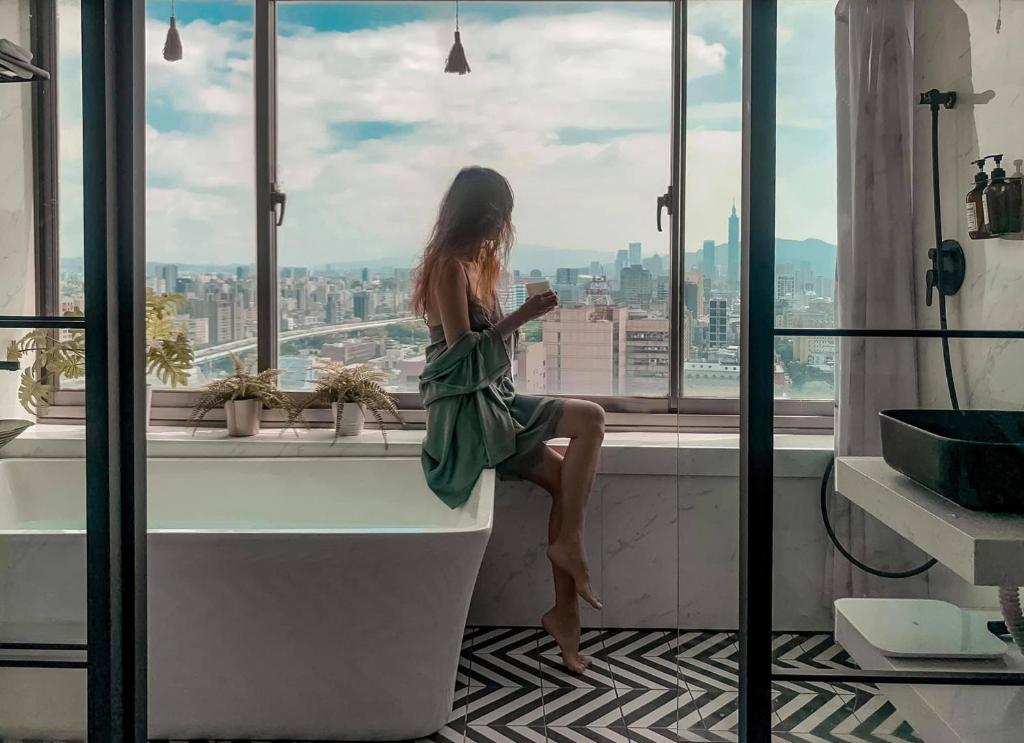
(525, 258)
(820, 254)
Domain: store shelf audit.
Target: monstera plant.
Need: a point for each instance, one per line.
(61, 354)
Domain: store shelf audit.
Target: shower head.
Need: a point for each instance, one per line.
(936, 98)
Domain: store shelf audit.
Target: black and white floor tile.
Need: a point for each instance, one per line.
(654, 687)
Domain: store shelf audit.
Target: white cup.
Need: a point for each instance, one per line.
(538, 287)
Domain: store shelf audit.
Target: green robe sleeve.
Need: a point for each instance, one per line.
(468, 426)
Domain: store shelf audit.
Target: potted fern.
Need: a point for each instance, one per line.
(169, 354)
(352, 391)
(243, 395)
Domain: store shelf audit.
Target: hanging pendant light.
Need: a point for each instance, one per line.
(172, 46)
(456, 62)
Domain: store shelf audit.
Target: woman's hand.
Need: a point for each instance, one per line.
(536, 306)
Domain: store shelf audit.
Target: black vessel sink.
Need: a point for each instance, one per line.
(972, 457)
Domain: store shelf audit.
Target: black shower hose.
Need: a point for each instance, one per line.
(947, 365)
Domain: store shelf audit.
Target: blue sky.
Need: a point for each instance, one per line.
(570, 100)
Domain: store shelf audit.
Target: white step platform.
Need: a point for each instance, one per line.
(939, 714)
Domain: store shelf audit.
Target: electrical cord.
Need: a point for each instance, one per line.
(845, 553)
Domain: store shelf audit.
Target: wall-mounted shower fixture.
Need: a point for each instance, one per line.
(947, 260)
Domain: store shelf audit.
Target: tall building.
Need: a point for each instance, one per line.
(734, 249)
(635, 254)
(718, 323)
(362, 305)
(596, 269)
(566, 275)
(169, 274)
(603, 350)
(581, 350)
(707, 262)
(636, 285)
(621, 261)
(366, 272)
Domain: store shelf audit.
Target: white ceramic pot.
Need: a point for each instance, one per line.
(243, 417)
(352, 418)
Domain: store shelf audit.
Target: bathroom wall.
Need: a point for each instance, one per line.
(957, 48)
(17, 295)
(664, 551)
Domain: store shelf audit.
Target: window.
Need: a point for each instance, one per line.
(369, 131)
(199, 176)
(579, 122)
(805, 250)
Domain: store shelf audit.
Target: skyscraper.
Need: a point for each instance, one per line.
(734, 249)
(707, 261)
(635, 254)
(718, 325)
(621, 261)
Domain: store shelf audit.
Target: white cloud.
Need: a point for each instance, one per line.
(541, 87)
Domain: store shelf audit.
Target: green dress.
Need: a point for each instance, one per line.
(475, 419)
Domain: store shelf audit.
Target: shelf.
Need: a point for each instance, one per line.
(983, 549)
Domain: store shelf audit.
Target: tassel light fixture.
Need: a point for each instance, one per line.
(456, 62)
(172, 46)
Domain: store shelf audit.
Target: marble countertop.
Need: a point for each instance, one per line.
(692, 454)
(982, 548)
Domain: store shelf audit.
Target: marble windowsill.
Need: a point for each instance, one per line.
(691, 454)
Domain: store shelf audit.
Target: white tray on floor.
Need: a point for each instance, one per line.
(921, 628)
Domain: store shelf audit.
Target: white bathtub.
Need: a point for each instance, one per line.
(288, 598)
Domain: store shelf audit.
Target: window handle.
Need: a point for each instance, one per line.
(278, 198)
(664, 202)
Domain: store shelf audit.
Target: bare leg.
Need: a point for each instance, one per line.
(562, 621)
(583, 423)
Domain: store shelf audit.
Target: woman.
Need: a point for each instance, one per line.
(475, 418)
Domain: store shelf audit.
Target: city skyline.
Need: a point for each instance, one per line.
(610, 335)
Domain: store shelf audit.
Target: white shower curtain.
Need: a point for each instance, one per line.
(875, 265)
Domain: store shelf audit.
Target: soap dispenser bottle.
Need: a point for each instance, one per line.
(1015, 198)
(997, 212)
(977, 227)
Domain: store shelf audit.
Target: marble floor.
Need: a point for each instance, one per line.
(651, 686)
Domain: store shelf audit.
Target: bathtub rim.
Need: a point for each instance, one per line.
(483, 523)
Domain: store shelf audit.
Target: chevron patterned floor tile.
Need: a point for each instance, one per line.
(573, 707)
(652, 708)
(507, 734)
(504, 706)
(644, 672)
(704, 644)
(589, 735)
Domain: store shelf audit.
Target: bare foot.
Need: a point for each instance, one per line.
(569, 557)
(564, 627)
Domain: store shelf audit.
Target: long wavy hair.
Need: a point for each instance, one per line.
(474, 225)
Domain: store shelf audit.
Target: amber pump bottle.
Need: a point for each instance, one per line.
(977, 227)
(1002, 218)
(1015, 197)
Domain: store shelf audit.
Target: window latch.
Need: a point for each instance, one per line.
(664, 202)
(278, 198)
